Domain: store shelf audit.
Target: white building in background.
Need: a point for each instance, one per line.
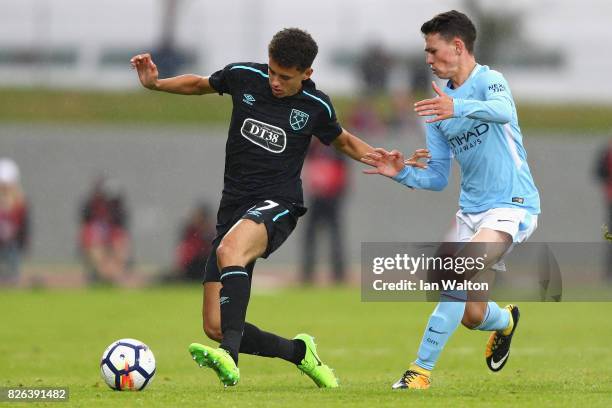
(87, 41)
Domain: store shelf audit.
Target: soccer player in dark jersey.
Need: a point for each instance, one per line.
(276, 110)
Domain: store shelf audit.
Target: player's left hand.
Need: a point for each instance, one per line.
(441, 107)
(418, 154)
(391, 163)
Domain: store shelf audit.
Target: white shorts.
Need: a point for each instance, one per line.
(516, 222)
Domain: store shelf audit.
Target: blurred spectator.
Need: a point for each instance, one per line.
(402, 120)
(194, 245)
(374, 67)
(419, 77)
(104, 240)
(14, 222)
(326, 179)
(363, 119)
(604, 174)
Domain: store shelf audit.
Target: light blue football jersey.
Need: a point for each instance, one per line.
(486, 140)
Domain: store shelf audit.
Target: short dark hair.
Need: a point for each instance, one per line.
(450, 25)
(292, 47)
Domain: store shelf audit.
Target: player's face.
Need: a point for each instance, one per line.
(442, 56)
(286, 81)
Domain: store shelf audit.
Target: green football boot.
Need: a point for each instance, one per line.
(312, 365)
(219, 360)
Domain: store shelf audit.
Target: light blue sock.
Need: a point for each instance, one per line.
(496, 318)
(441, 325)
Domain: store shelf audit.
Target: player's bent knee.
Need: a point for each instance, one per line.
(213, 332)
(226, 253)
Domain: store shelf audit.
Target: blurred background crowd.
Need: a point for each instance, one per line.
(103, 182)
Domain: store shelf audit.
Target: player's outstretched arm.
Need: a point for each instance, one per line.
(184, 84)
(357, 149)
(392, 163)
(351, 145)
(432, 175)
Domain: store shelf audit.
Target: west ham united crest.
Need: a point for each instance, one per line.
(298, 119)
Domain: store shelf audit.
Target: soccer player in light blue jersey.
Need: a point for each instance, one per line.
(474, 120)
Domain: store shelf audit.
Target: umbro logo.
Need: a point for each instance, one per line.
(224, 299)
(248, 99)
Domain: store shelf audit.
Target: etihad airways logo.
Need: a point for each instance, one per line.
(468, 140)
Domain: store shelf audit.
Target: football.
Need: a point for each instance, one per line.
(127, 364)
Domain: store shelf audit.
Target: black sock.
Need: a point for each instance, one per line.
(260, 343)
(234, 299)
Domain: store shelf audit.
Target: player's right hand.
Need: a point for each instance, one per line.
(147, 70)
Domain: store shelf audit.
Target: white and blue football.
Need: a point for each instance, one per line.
(127, 364)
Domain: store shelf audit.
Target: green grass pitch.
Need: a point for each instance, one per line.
(561, 354)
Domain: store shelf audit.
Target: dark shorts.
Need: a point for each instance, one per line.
(279, 218)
